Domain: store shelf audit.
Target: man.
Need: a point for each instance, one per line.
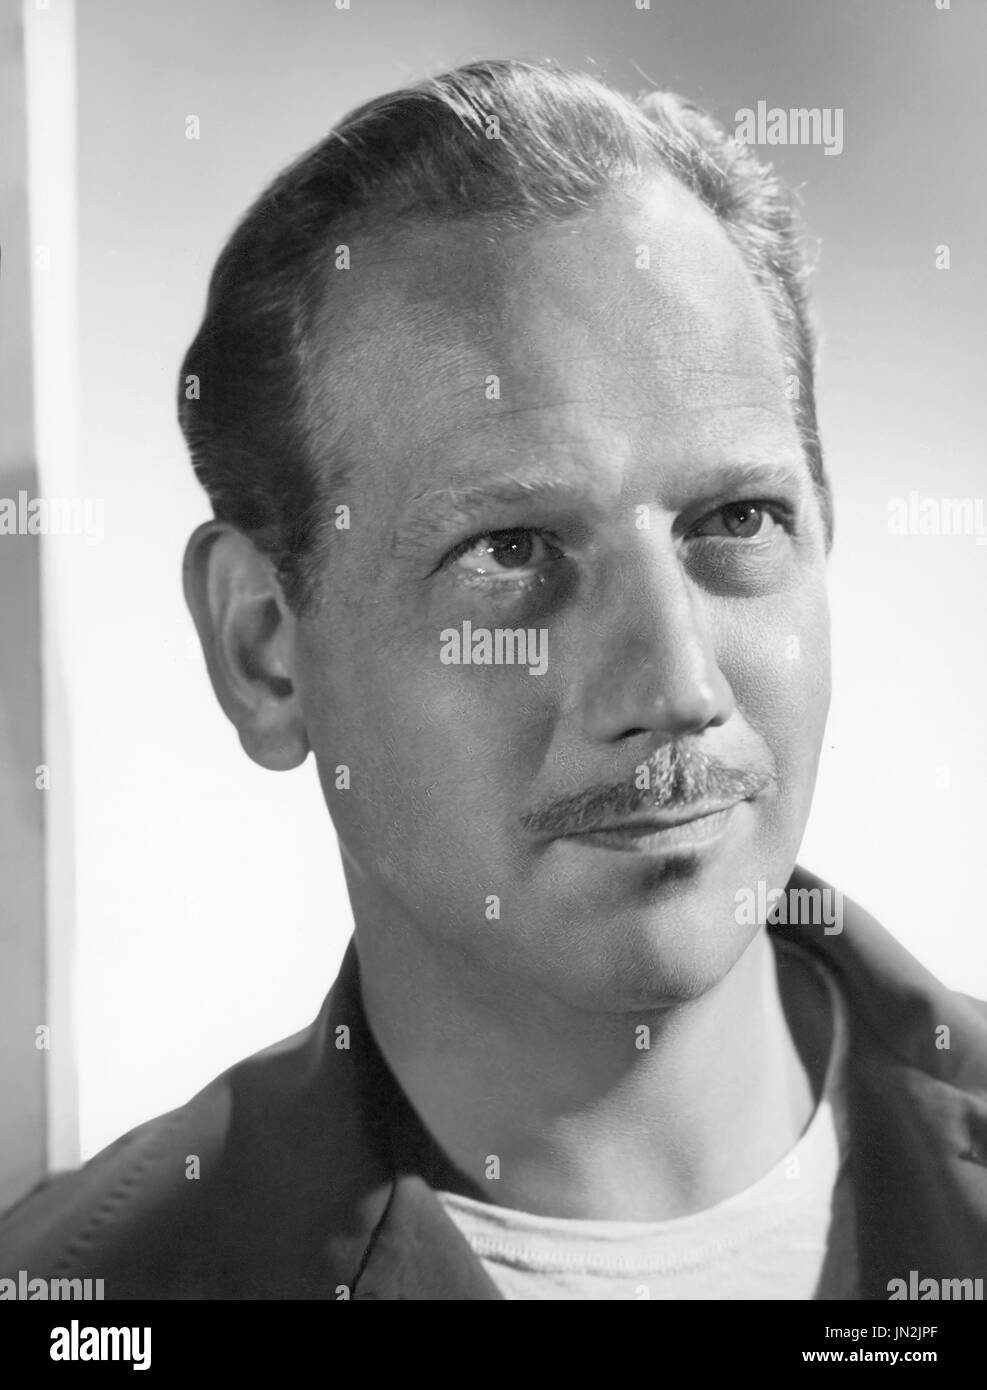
(504, 402)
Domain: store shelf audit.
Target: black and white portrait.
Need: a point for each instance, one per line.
(494, 551)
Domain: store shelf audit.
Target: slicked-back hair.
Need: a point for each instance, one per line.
(504, 143)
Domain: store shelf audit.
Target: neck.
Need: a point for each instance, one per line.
(583, 1120)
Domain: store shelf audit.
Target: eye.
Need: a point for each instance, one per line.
(503, 555)
(738, 521)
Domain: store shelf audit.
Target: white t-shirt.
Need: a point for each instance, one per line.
(789, 1236)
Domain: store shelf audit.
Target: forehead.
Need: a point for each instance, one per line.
(626, 346)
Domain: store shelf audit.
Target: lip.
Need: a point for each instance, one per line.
(650, 832)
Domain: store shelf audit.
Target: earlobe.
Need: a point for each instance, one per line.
(247, 634)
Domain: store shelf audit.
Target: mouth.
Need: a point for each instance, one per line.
(649, 832)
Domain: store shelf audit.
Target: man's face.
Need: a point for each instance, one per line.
(547, 433)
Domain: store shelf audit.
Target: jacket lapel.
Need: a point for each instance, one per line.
(389, 1236)
(917, 1107)
(419, 1253)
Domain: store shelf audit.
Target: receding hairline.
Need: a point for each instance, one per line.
(353, 312)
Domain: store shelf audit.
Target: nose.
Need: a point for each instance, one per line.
(653, 669)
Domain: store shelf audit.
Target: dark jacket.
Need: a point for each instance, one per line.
(315, 1176)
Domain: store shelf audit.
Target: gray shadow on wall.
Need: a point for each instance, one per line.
(22, 818)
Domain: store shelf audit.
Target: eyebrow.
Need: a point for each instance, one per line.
(443, 508)
(440, 509)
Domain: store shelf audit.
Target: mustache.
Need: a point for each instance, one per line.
(678, 776)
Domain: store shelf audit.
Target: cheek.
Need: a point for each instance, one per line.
(439, 755)
(777, 659)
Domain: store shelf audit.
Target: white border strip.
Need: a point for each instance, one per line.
(49, 52)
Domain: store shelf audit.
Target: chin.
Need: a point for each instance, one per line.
(646, 956)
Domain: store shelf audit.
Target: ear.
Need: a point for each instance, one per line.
(248, 636)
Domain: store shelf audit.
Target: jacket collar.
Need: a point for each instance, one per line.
(389, 1237)
(917, 1100)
